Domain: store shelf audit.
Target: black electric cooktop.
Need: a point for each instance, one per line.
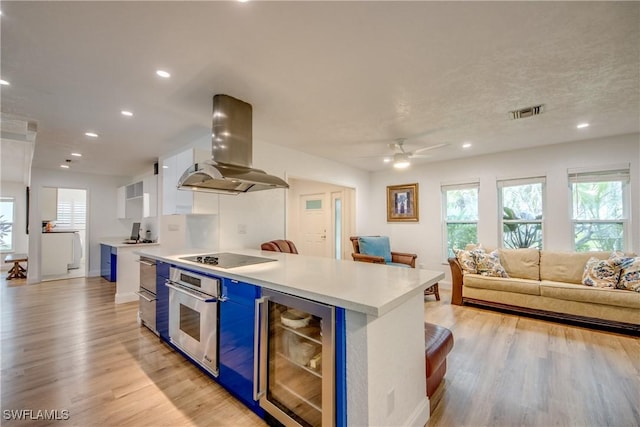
(226, 260)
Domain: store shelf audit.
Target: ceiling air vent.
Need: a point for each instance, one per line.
(526, 112)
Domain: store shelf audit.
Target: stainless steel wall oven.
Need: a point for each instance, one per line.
(193, 316)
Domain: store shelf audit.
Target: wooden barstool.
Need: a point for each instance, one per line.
(17, 271)
(433, 290)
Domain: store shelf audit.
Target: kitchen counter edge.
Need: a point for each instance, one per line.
(347, 303)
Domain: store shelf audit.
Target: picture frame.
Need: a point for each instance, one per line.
(402, 203)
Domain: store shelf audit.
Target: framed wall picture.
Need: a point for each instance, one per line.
(402, 203)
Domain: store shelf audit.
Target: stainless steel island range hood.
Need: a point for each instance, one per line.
(230, 171)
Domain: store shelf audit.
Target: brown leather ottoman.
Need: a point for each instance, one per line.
(438, 342)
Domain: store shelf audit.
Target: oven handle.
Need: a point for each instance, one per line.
(150, 264)
(258, 351)
(142, 295)
(180, 289)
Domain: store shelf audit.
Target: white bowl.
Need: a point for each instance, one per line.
(295, 318)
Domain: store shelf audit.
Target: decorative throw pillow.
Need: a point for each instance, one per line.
(601, 273)
(629, 274)
(378, 246)
(488, 264)
(467, 259)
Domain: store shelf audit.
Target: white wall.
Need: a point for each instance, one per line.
(300, 187)
(17, 190)
(262, 214)
(101, 213)
(426, 238)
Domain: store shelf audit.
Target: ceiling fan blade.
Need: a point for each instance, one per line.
(432, 147)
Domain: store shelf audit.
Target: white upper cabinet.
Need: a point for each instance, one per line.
(184, 199)
(150, 196)
(138, 200)
(121, 202)
(49, 203)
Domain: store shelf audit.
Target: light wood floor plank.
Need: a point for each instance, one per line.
(507, 370)
(66, 345)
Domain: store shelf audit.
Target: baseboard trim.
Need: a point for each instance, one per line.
(124, 298)
(420, 415)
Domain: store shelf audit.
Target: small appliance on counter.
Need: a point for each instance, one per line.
(135, 234)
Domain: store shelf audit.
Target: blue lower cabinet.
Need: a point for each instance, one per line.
(237, 339)
(108, 262)
(162, 300)
(341, 367)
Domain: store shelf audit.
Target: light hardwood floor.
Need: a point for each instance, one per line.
(66, 345)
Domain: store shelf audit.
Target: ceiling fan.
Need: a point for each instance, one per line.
(402, 159)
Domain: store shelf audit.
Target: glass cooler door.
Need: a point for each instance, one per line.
(298, 360)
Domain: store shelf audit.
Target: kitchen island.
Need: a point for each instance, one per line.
(383, 324)
(118, 264)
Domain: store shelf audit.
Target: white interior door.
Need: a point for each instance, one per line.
(315, 222)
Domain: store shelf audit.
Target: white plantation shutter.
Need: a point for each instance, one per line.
(71, 215)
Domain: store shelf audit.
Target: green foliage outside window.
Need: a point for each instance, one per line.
(522, 216)
(461, 217)
(598, 215)
(6, 229)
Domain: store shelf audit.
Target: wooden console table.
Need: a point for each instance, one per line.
(17, 271)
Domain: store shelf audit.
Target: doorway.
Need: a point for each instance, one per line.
(64, 233)
(321, 217)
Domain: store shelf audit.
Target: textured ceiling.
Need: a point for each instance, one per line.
(340, 80)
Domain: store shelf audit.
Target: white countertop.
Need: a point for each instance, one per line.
(373, 289)
(118, 242)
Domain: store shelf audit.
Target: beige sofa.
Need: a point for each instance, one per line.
(548, 284)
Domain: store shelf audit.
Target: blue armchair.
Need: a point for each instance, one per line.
(376, 250)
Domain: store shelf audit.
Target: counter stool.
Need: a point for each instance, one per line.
(17, 271)
(438, 343)
(433, 290)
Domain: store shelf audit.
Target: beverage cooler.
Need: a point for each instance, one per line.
(296, 359)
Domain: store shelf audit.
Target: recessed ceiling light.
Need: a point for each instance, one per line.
(4, 83)
(583, 125)
(165, 167)
(401, 164)
(64, 166)
(467, 145)
(76, 154)
(91, 134)
(126, 113)
(387, 159)
(164, 74)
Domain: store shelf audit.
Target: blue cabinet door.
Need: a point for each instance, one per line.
(162, 300)
(105, 261)
(108, 262)
(236, 340)
(114, 264)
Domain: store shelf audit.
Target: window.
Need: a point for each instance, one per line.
(521, 207)
(6, 223)
(72, 209)
(599, 205)
(460, 204)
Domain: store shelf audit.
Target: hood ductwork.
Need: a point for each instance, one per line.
(230, 171)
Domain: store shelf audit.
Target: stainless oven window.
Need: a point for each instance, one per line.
(193, 316)
(190, 322)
